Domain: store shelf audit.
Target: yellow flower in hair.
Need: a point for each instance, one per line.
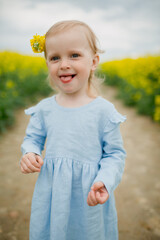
(37, 43)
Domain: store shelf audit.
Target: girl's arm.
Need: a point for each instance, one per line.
(113, 157)
(35, 133)
(33, 143)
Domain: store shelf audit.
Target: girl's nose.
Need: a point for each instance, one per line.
(64, 64)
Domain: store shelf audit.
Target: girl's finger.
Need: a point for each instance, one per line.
(93, 197)
(31, 166)
(32, 158)
(97, 186)
(24, 171)
(28, 166)
(89, 200)
(35, 163)
(23, 160)
(39, 159)
(24, 168)
(99, 198)
(102, 198)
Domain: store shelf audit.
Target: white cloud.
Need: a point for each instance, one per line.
(120, 34)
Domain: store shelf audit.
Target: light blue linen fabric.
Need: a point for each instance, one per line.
(84, 145)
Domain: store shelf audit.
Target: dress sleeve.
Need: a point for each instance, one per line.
(35, 133)
(113, 154)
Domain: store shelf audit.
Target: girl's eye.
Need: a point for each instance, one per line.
(75, 55)
(55, 58)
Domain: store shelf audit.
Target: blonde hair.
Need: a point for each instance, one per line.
(93, 82)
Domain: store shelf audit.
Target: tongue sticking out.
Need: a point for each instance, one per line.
(66, 78)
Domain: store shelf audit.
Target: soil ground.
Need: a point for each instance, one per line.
(137, 196)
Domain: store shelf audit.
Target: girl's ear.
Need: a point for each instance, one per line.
(95, 62)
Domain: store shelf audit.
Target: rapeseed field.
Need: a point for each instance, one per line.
(138, 81)
(22, 80)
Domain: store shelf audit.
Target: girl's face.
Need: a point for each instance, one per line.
(70, 61)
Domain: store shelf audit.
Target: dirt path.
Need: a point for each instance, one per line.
(137, 197)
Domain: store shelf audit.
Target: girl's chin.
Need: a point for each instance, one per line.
(68, 90)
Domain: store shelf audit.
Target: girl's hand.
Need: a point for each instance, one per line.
(98, 194)
(31, 163)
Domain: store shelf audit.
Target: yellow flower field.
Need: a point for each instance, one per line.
(22, 79)
(138, 81)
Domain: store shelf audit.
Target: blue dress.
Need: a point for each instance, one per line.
(84, 145)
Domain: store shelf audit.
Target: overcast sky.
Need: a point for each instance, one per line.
(125, 28)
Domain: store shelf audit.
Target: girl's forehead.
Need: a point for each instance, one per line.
(69, 31)
(72, 37)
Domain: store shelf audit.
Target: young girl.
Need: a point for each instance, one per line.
(74, 194)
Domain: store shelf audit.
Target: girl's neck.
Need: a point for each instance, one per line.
(72, 100)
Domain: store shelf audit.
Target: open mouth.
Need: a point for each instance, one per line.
(67, 78)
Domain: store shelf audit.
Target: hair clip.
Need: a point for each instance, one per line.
(38, 43)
